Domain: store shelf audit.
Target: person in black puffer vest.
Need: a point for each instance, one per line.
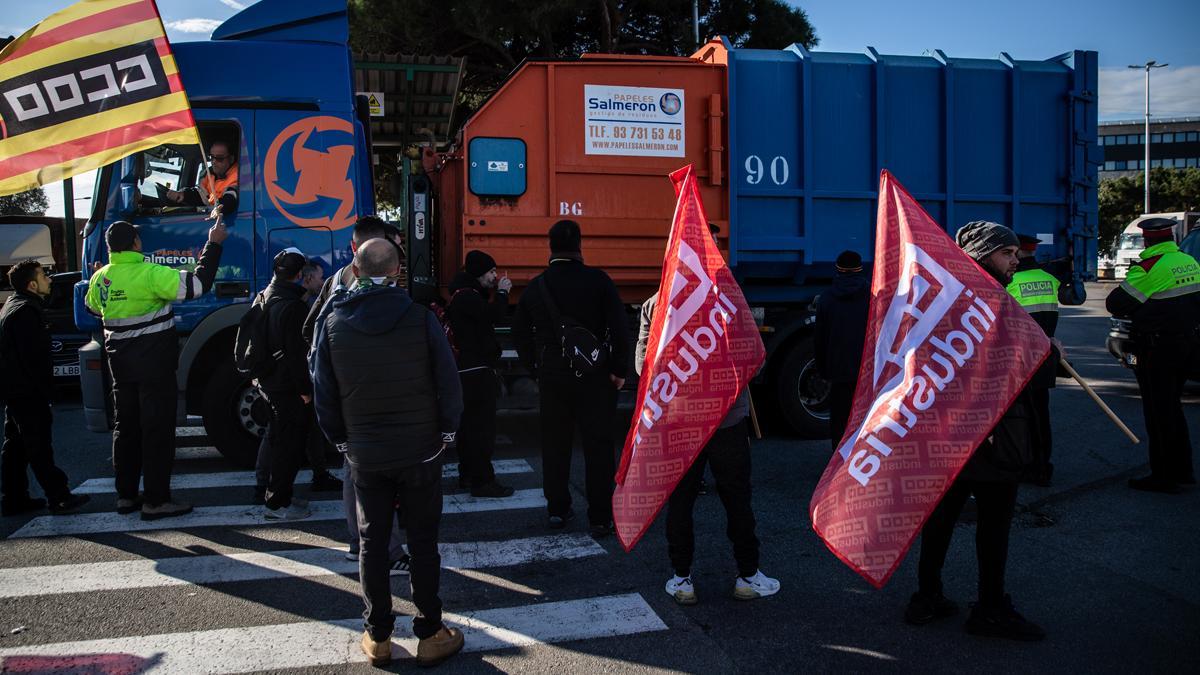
(990, 475)
(473, 317)
(387, 395)
(840, 331)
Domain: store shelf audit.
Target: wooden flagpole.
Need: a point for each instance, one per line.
(1107, 411)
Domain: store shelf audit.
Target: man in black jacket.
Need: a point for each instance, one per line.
(387, 395)
(991, 476)
(286, 386)
(840, 332)
(570, 399)
(473, 318)
(27, 373)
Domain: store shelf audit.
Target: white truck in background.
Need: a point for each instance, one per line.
(1130, 244)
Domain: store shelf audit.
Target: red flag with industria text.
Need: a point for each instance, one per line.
(703, 349)
(947, 351)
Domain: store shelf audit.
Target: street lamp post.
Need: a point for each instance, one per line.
(1146, 138)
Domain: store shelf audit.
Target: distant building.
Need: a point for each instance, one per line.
(1174, 143)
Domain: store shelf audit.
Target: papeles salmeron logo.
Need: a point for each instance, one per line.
(670, 104)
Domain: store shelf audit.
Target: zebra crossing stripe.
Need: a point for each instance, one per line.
(196, 481)
(335, 643)
(308, 562)
(244, 516)
(190, 431)
(196, 452)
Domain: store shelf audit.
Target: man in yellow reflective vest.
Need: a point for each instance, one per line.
(1036, 290)
(134, 300)
(1161, 296)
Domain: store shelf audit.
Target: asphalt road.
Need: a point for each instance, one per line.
(1110, 573)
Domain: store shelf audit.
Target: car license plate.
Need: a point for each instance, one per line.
(66, 371)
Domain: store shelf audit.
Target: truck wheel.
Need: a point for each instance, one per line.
(803, 394)
(235, 415)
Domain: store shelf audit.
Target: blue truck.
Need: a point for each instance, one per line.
(788, 146)
(275, 83)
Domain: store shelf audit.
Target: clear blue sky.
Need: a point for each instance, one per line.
(1123, 32)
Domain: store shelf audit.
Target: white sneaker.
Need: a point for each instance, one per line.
(293, 512)
(682, 590)
(352, 556)
(757, 586)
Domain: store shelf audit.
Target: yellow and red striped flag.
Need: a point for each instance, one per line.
(87, 86)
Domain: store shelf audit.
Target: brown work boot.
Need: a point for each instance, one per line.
(378, 653)
(440, 646)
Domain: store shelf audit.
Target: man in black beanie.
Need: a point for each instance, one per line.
(473, 318)
(841, 329)
(990, 476)
(570, 297)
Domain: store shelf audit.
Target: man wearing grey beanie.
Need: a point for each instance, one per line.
(991, 476)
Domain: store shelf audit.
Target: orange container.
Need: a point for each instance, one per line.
(600, 136)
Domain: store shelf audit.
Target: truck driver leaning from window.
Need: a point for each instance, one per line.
(219, 185)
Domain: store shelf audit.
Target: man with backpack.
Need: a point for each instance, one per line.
(571, 332)
(282, 375)
(473, 317)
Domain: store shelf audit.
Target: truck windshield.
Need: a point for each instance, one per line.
(1130, 242)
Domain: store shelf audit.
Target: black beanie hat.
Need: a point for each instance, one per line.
(565, 237)
(479, 263)
(849, 261)
(120, 236)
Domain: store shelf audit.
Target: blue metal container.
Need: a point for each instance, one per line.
(973, 139)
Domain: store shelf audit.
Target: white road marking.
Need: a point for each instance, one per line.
(335, 643)
(308, 562)
(190, 431)
(245, 515)
(198, 452)
(196, 481)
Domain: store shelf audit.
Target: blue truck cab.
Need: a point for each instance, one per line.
(275, 84)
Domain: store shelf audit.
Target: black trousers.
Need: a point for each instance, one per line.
(1044, 442)
(144, 436)
(728, 453)
(315, 447)
(1161, 372)
(588, 404)
(994, 504)
(477, 430)
(287, 436)
(27, 429)
(841, 399)
(418, 491)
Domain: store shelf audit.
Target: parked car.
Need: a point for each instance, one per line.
(65, 338)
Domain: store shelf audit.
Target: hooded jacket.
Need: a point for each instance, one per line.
(473, 318)
(386, 387)
(841, 327)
